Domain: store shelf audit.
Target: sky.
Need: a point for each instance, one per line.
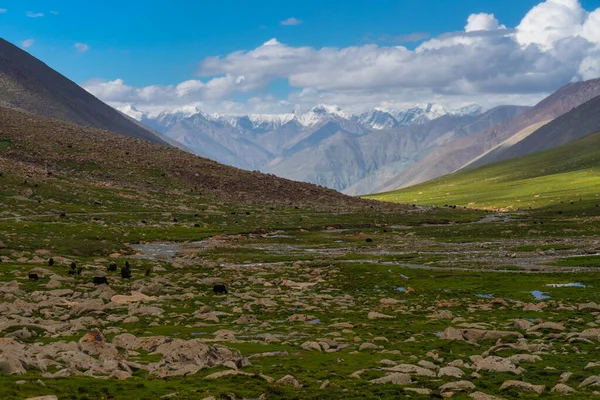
(266, 56)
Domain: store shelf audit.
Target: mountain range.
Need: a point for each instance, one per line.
(323, 145)
(379, 150)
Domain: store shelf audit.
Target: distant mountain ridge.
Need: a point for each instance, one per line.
(300, 145)
(27, 84)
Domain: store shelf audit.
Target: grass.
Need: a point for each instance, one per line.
(559, 178)
(447, 257)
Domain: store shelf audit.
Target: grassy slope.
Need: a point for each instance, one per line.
(564, 174)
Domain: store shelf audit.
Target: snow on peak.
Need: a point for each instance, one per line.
(131, 111)
(318, 112)
(470, 110)
(378, 118)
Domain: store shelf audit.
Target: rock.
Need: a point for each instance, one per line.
(451, 371)
(412, 369)
(590, 334)
(135, 297)
(442, 314)
(563, 389)
(367, 346)
(246, 320)
(524, 358)
(495, 364)
(120, 375)
(458, 386)
(230, 372)
(54, 283)
(476, 335)
(49, 397)
(590, 381)
(555, 326)
(95, 305)
(376, 315)
(524, 386)
(94, 343)
(311, 346)
(483, 396)
(325, 385)
(289, 380)
(564, 377)
(422, 391)
(11, 366)
(395, 378)
(523, 324)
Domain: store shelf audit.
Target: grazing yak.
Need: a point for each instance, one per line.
(220, 289)
(126, 272)
(100, 280)
(33, 277)
(51, 262)
(112, 267)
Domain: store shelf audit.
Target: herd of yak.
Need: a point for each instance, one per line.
(112, 267)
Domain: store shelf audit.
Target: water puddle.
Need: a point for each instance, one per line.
(485, 295)
(157, 251)
(560, 285)
(400, 289)
(539, 295)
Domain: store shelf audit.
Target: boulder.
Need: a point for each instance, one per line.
(289, 380)
(395, 378)
(524, 386)
(458, 386)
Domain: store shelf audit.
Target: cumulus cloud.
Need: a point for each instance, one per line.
(482, 22)
(81, 47)
(551, 21)
(291, 21)
(32, 14)
(556, 42)
(27, 43)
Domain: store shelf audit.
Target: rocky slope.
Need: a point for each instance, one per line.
(27, 84)
(104, 157)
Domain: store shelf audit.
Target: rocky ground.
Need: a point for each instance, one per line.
(309, 314)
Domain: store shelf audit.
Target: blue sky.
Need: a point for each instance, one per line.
(147, 43)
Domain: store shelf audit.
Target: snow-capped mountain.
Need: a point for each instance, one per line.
(419, 114)
(132, 112)
(378, 119)
(318, 113)
(470, 110)
(323, 145)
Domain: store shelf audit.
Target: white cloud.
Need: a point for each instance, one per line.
(482, 22)
(3, 10)
(54, 12)
(27, 43)
(556, 42)
(31, 14)
(290, 21)
(551, 21)
(81, 47)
